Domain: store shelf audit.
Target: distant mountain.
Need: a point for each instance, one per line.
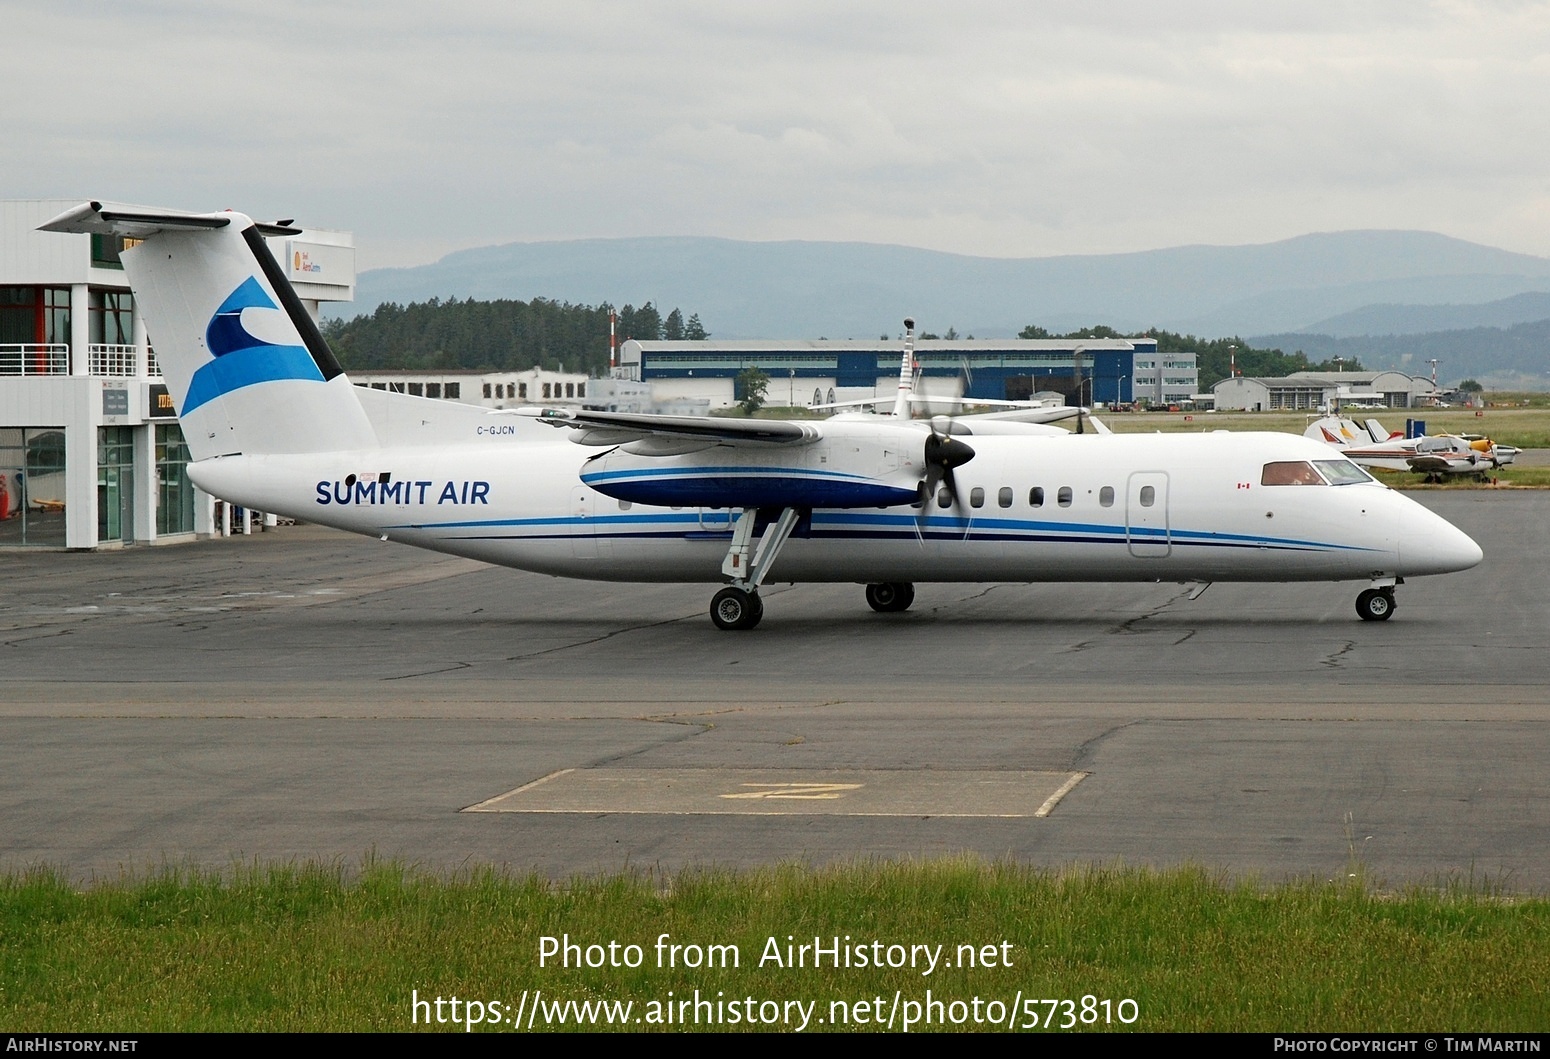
(1511, 358)
(859, 290)
(1419, 319)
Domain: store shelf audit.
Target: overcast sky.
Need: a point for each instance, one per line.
(1008, 129)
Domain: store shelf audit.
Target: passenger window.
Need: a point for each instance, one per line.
(1148, 496)
(625, 505)
(976, 497)
(944, 498)
(1290, 472)
(1106, 496)
(1063, 498)
(1004, 497)
(1036, 496)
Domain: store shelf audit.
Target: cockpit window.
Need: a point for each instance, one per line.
(1343, 472)
(1290, 472)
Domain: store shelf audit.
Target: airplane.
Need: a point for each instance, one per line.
(273, 423)
(1435, 456)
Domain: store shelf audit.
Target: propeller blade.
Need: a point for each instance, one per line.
(958, 510)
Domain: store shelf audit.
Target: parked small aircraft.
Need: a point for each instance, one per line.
(273, 423)
(1436, 456)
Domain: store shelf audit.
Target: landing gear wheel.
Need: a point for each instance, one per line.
(888, 597)
(732, 608)
(1376, 604)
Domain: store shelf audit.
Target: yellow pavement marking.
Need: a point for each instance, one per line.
(776, 792)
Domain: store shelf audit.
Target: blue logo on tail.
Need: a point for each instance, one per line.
(240, 358)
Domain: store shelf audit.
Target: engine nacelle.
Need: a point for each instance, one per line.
(864, 469)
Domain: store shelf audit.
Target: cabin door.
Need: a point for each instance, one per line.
(1146, 515)
(583, 513)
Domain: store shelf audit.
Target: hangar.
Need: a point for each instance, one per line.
(1312, 390)
(1084, 371)
(91, 453)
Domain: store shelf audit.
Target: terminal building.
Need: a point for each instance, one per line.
(1083, 371)
(90, 449)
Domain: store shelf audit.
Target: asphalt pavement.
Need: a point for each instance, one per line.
(304, 694)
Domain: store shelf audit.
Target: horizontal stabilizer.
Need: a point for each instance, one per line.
(138, 222)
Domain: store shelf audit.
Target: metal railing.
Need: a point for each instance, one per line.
(34, 358)
(114, 361)
(53, 358)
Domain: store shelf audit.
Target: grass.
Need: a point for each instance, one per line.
(320, 949)
(1513, 477)
(1527, 428)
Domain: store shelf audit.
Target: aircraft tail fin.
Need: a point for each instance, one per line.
(246, 366)
(1376, 432)
(1332, 430)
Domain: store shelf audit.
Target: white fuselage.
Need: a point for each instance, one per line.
(1068, 508)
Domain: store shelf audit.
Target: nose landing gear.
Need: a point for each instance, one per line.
(1376, 604)
(889, 597)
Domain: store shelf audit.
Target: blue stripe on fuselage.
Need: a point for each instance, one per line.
(857, 526)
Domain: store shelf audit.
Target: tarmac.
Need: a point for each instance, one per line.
(307, 695)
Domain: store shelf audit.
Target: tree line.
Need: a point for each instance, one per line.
(513, 335)
(1215, 356)
(499, 335)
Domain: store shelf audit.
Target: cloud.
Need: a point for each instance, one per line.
(985, 127)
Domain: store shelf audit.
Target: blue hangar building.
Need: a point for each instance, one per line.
(1083, 371)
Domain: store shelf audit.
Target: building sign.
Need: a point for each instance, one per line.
(161, 403)
(115, 402)
(309, 262)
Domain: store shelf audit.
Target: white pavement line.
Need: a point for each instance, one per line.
(1054, 799)
(483, 807)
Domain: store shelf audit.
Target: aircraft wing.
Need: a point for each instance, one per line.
(1439, 463)
(618, 428)
(1022, 413)
(1012, 411)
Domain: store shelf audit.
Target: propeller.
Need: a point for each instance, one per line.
(943, 453)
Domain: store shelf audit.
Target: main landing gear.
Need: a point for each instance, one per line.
(1376, 604)
(747, 564)
(890, 597)
(734, 608)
